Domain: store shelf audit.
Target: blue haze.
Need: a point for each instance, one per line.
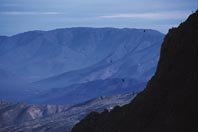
(23, 15)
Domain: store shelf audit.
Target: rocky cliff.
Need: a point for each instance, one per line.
(169, 100)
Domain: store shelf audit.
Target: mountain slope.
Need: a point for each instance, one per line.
(11, 86)
(77, 93)
(62, 58)
(37, 54)
(54, 118)
(3, 38)
(134, 60)
(168, 104)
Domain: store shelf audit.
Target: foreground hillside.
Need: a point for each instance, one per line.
(168, 104)
(22, 117)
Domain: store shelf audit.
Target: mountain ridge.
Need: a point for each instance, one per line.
(67, 45)
(80, 55)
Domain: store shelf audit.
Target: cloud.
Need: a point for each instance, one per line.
(150, 15)
(9, 5)
(29, 13)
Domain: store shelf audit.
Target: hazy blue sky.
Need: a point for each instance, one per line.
(23, 15)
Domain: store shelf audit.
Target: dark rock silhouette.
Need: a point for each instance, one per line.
(168, 104)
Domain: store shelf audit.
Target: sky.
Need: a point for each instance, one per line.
(17, 16)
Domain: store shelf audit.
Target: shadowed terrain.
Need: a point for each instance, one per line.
(168, 104)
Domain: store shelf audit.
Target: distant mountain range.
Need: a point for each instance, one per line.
(37, 54)
(77, 59)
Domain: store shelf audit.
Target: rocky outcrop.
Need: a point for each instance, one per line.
(21, 112)
(168, 104)
(22, 117)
